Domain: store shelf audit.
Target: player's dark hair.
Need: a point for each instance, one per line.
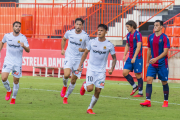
(103, 26)
(132, 24)
(79, 19)
(161, 22)
(16, 22)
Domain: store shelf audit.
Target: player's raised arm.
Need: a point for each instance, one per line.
(126, 51)
(83, 59)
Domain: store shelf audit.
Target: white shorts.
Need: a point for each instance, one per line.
(16, 70)
(73, 65)
(96, 78)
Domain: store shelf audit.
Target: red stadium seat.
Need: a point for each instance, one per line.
(175, 42)
(168, 31)
(176, 31)
(176, 21)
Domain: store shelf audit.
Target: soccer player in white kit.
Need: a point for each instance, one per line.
(78, 40)
(99, 49)
(16, 42)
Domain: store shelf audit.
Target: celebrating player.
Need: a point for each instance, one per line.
(99, 49)
(78, 40)
(134, 61)
(158, 46)
(16, 42)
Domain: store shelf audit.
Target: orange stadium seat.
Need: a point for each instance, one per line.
(168, 31)
(144, 41)
(170, 41)
(175, 42)
(176, 21)
(176, 31)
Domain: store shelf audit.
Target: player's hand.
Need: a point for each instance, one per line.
(133, 60)
(110, 71)
(124, 58)
(79, 69)
(22, 44)
(152, 61)
(62, 52)
(80, 49)
(147, 65)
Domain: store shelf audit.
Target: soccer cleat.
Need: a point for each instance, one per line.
(63, 91)
(165, 104)
(82, 90)
(8, 95)
(134, 90)
(146, 103)
(138, 95)
(90, 111)
(65, 100)
(12, 101)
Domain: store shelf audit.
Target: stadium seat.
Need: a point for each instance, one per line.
(170, 41)
(176, 21)
(176, 31)
(168, 31)
(175, 42)
(144, 41)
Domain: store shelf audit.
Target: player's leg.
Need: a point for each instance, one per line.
(128, 67)
(138, 70)
(67, 71)
(163, 76)
(5, 73)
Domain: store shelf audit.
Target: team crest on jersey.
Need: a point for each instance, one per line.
(104, 47)
(160, 40)
(80, 40)
(18, 41)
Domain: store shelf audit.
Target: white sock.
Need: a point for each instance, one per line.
(65, 82)
(6, 85)
(134, 86)
(93, 102)
(85, 86)
(140, 92)
(70, 89)
(15, 90)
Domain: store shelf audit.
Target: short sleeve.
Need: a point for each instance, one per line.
(88, 46)
(112, 50)
(166, 42)
(87, 40)
(4, 39)
(127, 39)
(139, 37)
(66, 34)
(25, 42)
(149, 42)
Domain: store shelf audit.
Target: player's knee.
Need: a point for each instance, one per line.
(138, 75)
(4, 78)
(66, 76)
(149, 80)
(164, 82)
(125, 73)
(73, 81)
(89, 89)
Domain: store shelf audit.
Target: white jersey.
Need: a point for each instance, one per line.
(14, 50)
(99, 52)
(75, 42)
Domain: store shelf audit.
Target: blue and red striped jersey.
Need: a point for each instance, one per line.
(132, 40)
(157, 45)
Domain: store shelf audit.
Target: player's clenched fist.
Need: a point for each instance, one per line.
(79, 69)
(80, 50)
(62, 52)
(110, 71)
(22, 44)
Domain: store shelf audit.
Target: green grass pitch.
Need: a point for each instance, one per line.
(39, 99)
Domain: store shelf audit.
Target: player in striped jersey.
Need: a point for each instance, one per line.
(78, 40)
(158, 46)
(16, 42)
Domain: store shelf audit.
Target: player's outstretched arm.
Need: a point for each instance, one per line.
(152, 61)
(63, 42)
(83, 59)
(1, 45)
(113, 64)
(137, 51)
(125, 51)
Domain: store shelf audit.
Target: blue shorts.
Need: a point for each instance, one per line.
(162, 72)
(137, 66)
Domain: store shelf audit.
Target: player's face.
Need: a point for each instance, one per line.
(157, 27)
(78, 26)
(101, 32)
(129, 28)
(17, 28)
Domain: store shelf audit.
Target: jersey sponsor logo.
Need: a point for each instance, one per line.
(100, 52)
(18, 41)
(80, 40)
(104, 47)
(94, 45)
(160, 40)
(15, 46)
(75, 43)
(71, 37)
(9, 40)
